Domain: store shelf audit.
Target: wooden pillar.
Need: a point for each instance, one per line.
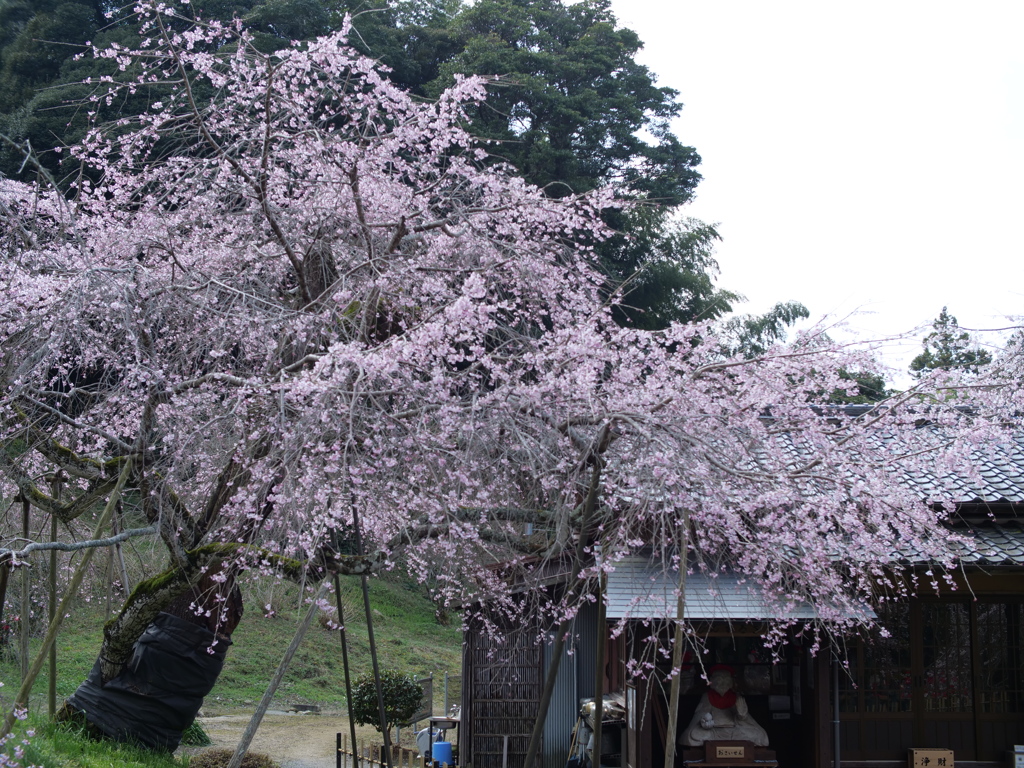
(822, 710)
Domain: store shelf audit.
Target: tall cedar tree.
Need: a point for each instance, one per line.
(948, 347)
(570, 108)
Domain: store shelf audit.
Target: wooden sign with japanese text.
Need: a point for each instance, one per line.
(931, 758)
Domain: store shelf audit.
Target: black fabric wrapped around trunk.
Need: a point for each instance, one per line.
(158, 694)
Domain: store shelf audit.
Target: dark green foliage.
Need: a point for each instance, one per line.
(870, 388)
(411, 37)
(219, 758)
(947, 348)
(36, 39)
(51, 107)
(752, 335)
(38, 42)
(665, 270)
(44, 101)
(402, 695)
(571, 104)
(570, 107)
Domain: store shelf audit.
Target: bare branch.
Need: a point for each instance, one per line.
(60, 546)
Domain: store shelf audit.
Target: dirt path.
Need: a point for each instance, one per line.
(292, 739)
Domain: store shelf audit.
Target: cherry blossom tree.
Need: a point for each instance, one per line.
(308, 318)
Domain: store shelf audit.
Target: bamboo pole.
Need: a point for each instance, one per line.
(365, 581)
(108, 577)
(344, 657)
(51, 692)
(678, 643)
(602, 642)
(126, 584)
(5, 574)
(26, 596)
(21, 698)
(275, 681)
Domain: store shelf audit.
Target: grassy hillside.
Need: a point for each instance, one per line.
(409, 639)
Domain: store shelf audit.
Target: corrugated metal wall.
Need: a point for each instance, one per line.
(561, 711)
(575, 681)
(586, 651)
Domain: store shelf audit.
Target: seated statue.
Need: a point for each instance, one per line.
(722, 714)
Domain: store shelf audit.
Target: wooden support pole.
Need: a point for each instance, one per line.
(26, 596)
(344, 660)
(364, 580)
(275, 681)
(5, 574)
(602, 641)
(21, 698)
(108, 578)
(51, 602)
(678, 644)
(126, 585)
(51, 692)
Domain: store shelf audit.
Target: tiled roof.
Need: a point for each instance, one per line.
(639, 588)
(995, 544)
(991, 475)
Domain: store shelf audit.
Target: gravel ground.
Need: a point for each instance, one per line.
(295, 740)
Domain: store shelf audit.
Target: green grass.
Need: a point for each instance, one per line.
(66, 746)
(407, 634)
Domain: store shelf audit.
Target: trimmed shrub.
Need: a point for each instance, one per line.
(402, 696)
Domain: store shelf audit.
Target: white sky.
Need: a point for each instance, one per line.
(859, 156)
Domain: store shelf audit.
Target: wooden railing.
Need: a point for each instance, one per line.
(372, 755)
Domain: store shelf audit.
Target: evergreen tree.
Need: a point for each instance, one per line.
(665, 270)
(569, 107)
(753, 335)
(868, 388)
(570, 104)
(948, 347)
